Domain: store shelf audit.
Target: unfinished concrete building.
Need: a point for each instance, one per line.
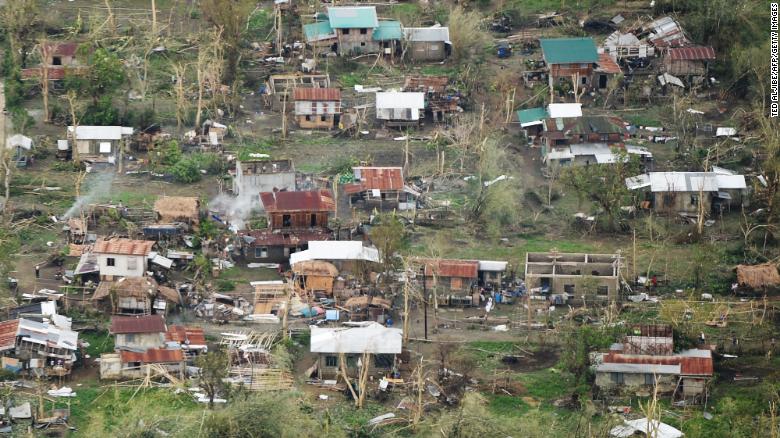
(263, 175)
(279, 89)
(567, 276)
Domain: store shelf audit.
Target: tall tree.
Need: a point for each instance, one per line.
(231, 17)
(19, 18)
(213, 368)
(387, 235)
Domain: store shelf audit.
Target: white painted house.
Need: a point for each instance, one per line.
(99, 140)
(397, 108)
(122, 257)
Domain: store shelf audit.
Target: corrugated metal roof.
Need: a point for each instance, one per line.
(123, 246)
(692, 362)
(350, 17)
(400, 100)
(634, 368)
(426, 84)
(101, 132)
(380, 178)
(569, 50)
(336, 250)
(63, 49)
(564, 110)
(47, 334)
(138, 324)
(694, 53)
(373, 338)
(452, 268)
(531, 116)
(313, 200)
(186, 335)
(8, 330)
(387, 31)
(317, 94)
(607, 65)
(152, 355)
(318, 31)
(285, 237)
(427, 34)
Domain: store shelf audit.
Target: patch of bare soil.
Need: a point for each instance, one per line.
(539, 360)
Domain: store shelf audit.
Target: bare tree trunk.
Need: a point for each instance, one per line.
(76, 156)
(154, 18)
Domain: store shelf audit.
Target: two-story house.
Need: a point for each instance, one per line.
(354, 30)
(122, 257)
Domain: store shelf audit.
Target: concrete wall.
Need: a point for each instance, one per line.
(559, 282)
(110, 366)
(680, 202)
(143, 341)
(666, 382)
(92, 147)
(355, 42)
(124, 265)
(265, 182)
(274, 254)
(315, 121)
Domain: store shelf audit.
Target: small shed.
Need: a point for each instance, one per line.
(428, 43)
(688, 61)
(758, 276)
(21, 146)
(396, 108)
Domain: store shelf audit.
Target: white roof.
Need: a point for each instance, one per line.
(559, 155)
(336, 250)
(62, 145)
(686, 182)
(723, 171)
(101, 132)
(492, 265)
(638, 150)
(427, 34)
(725, 132)
(397, 99)
(655, 428)
(637, 368)
(45, 334)
(18, 140)
(666, 78)
(618, 38)
(590, 149)
(557, 110)
(373, 338)
(638, 182)
(730, 182)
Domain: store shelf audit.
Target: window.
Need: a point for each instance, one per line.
(286, 220)
(313, 220)
(331, 361)
(694, 199)
(568, 288)
(603, 290)
(616, 377)
(261, 252)
(345, 31)
(56, 60)
(110, 261)
(584, 80)
(323, 118)
(132, 263)
(363, 44)
(363, 31)
(668, 200)
(583, 65)
(105, 147)
(130, 337)
(308, 118)
(649, 379)
(456, 283)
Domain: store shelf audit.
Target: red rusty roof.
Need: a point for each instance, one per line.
(186, 335)
(452, 268)
(693, 53)
(607, 65)
(8, 331)
(138, 324)
(63, 49)
(317, 94)
(286, 237)
(123, 246)
(152, 355)
(380, 178)
(689, 365)
(314, 200)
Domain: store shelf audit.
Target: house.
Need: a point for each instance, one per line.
(585, 154)
(317, 108)
(119, 257)
(606, 68)
(277, 92)
(681, 192)
(40, 348)
(665, 32)
(758, 277)
(358, 31)
(563, 276)
(294, 219)
(491, 272)
(99, 143)
(397, 109)
(314, 278)
(382, 343)
(263, 175)
(58, 57)
(440, 101)
(688, 61)
(138, 333)
(135, 295)
(626, 46)
(180, 209)
(21, 146)
(191, 340)
(138, 364)
(347, 255)
(648, 360)
(558, 133)
(456, 280)
(572, 59)
(382, 188)
(428, 43)
(532, 121)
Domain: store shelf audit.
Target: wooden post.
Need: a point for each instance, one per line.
(154, 18)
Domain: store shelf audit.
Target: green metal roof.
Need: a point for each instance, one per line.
(351, 17)
(318, 31)
(531, 115)
(569, 50)
(388, 30)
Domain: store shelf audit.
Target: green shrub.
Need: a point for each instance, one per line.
(186, 171)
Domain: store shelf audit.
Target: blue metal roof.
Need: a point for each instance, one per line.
(388, 30)
(320, 30)
(351, 17)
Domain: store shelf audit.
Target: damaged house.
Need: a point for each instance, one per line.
(626, 46)
(427, 43)
(317, 108)
(294, 219)
(135, 296)
(439, 101)
(570, 59)
(561, 132)
(382, 188)
(119, 257)
(399, 109)
(173, 214)
(563, 276)
(263, 175)
(682, 192)
(59, 57)
(99, 144)
(647, 359)
(140, 344)
(585, 154)
(350, 256)
(314, 278)
(381, 343)
(38, 348)
(279, 89)
(688, 61)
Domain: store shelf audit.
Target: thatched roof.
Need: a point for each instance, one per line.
(317, 268)
(365, 300)
(758, 276)
(170, 294)
(173, 208)
(127, 287)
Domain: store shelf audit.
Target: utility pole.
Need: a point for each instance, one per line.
(425, 303)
